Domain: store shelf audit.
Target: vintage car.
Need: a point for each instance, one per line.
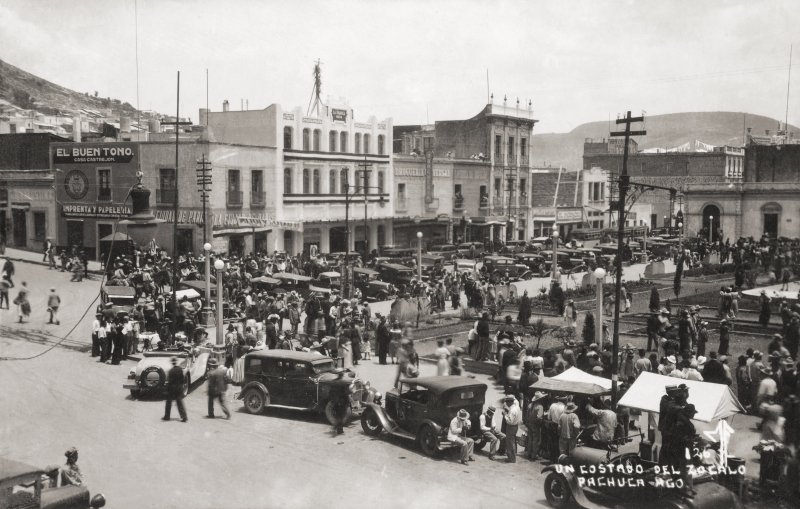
(372, 288)
(301, 380)
(326, 282)
(122, 298)
(465, 265)
(501, 265)
(422, 408)
(431, 263)
(535, 262)
(513, 247)
(395, 274)
(294, 283)
(23, 486)
(199, 286)
(446, 250)
(465, 250)
(150, 374)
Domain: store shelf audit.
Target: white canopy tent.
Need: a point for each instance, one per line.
(712, 401)
(574, 374)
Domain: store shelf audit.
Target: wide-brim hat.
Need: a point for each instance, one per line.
(463, 414)
(766, 371)
(671, 359)
(539, 395)
(213, 363)
(571, 407)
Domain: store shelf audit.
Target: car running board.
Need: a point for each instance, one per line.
(400, 432)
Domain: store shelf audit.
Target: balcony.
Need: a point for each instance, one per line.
(484, 202)
(401, 204)
(233, 198)
(104, 194)
(458, 203)
(166, 196)
(258, 199)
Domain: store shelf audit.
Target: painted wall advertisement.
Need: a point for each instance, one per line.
(339, 115)
(88, 155)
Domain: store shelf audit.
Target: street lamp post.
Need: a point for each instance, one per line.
(710, 228)
(469, 229)
(599, 277)
(668, 226)
(219, 265)
(554, 265)
(510, 234)
(644, 245)
(680, 238)
(206, 315)
(419, 257)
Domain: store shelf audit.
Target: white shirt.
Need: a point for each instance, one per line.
(457, 426)
(484, 425)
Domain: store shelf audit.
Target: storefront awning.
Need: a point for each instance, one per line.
(240, 230)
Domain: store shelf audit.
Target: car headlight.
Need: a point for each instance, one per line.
(352, 388)
(132, 373)
(378, 396)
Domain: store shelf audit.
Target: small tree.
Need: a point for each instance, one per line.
(538, 330)
(588, 328)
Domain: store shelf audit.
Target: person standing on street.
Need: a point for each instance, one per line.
(53, 303)
(48, 245)
(483, 338)
(217, 386)
(175, 381)
(8, 271)
(23, 305)
(489, 431)
(569, 427)
(5, 285)
(383, 337)
(512, 415)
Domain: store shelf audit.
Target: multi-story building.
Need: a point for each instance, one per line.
(677, 168)
(490, 156)
(327, 168)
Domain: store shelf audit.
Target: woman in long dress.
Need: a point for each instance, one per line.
(346, 352)
(442, 363)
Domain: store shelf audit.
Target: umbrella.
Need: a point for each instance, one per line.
(116, 237)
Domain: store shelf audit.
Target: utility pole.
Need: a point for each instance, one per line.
(204, 187)
(624, 184)
(366, 173)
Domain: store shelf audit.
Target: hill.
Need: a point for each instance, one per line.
(28, 91)
(671, 130)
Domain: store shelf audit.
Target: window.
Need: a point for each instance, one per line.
(287, 137)
(380, 182)
(523, 147)
(332, 141)
(104, 184)
(233, 180)
(498, 143)
(366, 143)
(316, 181)
(12, 128)
(597, 191)
(39, 226)
(484, 197)
(167, 186)
(306, 139)
(401, 192)
(253, 366)
(317, 136)
(343, 141)
(287, 181)
(234, 188)
(498, 187)
(359, 176)
(257, 186)
(306, 182)
(523, 190)
(366, 174)
(381, 143)
(332, 183)
(358, 143)
(511, 147)
(344, 179)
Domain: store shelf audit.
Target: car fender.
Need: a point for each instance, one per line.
(428, 422)
(386, 422)
(258, 385)
(199, 366)
(574, 486)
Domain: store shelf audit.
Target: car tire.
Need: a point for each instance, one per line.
(254, 400)
(556, 490)
(428, 440)
(334, 419)
(135, 393)
(162, 378)
(370, 422)
(479, 443)
(381, 297)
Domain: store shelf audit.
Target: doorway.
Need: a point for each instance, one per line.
(103, 231)
(772, 218)
(20, 227)
(711, 222)
(185, 240)
(75, 234)
(337, 239)
(236, 246)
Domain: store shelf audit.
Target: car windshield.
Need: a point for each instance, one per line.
(322, 367)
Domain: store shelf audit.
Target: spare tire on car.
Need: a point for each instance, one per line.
(152, 378)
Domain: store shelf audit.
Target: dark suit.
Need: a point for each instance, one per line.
(175, 380)
(384, 337)
(216, 390)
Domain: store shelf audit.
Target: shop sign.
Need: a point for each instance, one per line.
(543, 211)
(95, 210)
(226, 220)
(569, 215)
(83, 155)
(339, 115)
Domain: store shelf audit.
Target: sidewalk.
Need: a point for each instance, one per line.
(21, 255)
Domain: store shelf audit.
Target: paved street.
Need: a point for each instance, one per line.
(281, 459)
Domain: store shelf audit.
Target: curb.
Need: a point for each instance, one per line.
(43, 264)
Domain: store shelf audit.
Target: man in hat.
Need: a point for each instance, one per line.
(724, 336)
(70, 473)
(534, 421)
(217, 386)
(606, 423)
(569, 426)
(53, 303)
(383, 337)
(713, 371)
(490, 433)
(457, 433)
(175, 381)
(702, 338)
(767, 388)
(512, 416)
(670, 405)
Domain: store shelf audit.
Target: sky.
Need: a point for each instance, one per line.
(419, 61)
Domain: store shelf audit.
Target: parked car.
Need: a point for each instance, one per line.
(294, 283)
(465, 250)
(513, 247)
(431, 263)
(150, 374)
(535, 262)
(502, 265)
(395, 274)
(326, 282)
(371, 287)
(122, 298)
(446, 250)
(422, 408)
(465, 265)
(23, 486)
(301, 380)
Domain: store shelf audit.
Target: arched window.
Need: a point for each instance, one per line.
(316, 181)
(343, 180)
(365, 178)
(358, 143)
(287, 181)
(343, 141)
(366, 143)
(381, 182)
(332, 141)
(306, 139)
(381, 139)
(359, 176)
(287, 137)
(711, 222)
(306, 182)
(317, 137)
(332, 183)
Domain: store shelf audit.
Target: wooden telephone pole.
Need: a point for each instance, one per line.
(623, 186)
